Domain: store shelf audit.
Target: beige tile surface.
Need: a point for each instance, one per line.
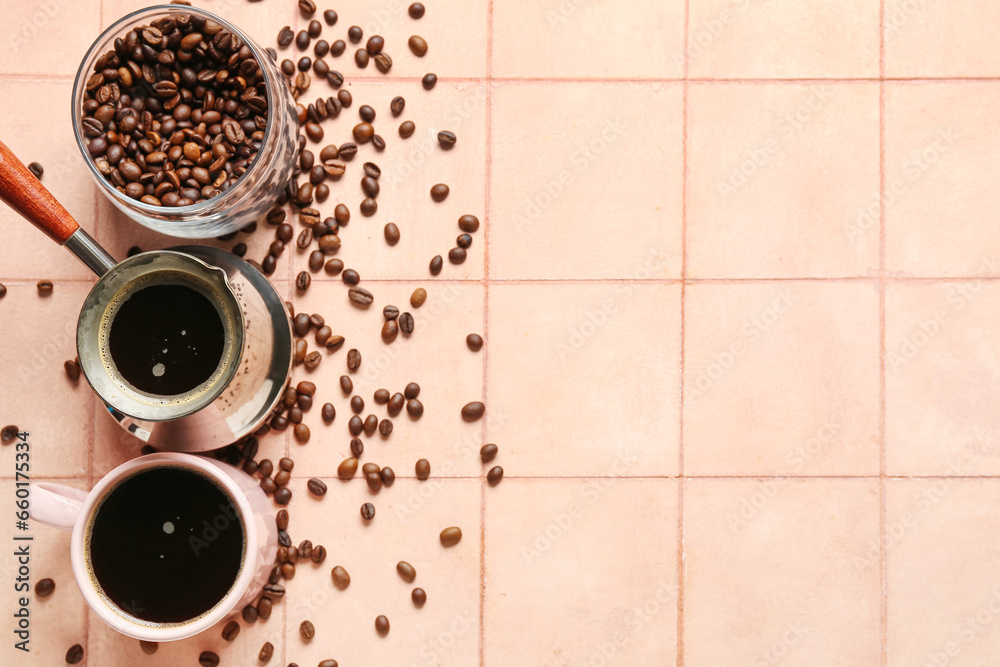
(740, 360)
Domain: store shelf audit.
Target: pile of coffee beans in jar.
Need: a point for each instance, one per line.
(176, 112)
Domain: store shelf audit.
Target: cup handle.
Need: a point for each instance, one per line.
(55, 504)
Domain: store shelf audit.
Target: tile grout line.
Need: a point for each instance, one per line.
(684, 280)
(883, 578)
(487, 223)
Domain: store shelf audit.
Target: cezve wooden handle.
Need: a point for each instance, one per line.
(26, 195)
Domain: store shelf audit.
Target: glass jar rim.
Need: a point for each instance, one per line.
(91, 56)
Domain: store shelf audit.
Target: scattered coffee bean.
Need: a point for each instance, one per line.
(390, 312)
(468, 223)
(367, 511)
(436, 265)
(314, 131)
(274, 591)
(429, 81)
(357, 404)
(406, 129)
(347, 468)
(330, 17)
(3, 290)
(463, 241)
(333, 266)
(264, 607)
(418, 45)
(302, 281)
(305, 62)
(418, 596)
(391, 233)
(328, 413)
(412, 390)
(406, 323)
(346, 385)
(474, 341)
(281, 519)
(360, 296)
(350, 277)
(9, 433)
(285, 36)
(368, 207)
(44, 287)
(387, 475)
(406, 571)
(341, 579)
(488, 452)
(374, 480)
(337, 49)
(423, 469)
(451, 536)
(414, 408)
(416, 10)
(396, 403)
(317, 487)
(494, 475)
(355, 33)
(36, 169)
(457, 255)
(473, 411)
(370, 468)
(355, 426)
(316, 258)
(231, 631)
(307, 7)
(267, 650)
(361, 58)
(72, 369)
(370, 425)
(318, 554)
(149, 648)
(439, 192)
(418, 297)
(389, 331)
(249, 614)
(382, 626)
(326, 663)
(301, 432)
(307, 630)
(208, 659)
(447, 139)
(44, 587)
(315, 28)
(283, 495)
(397, 105)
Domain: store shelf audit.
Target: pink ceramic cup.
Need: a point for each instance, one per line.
(72, 509)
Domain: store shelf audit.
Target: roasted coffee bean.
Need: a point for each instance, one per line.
(423, 469)
(329, 244)
(406, 323)
(355, 33)
(388, 476)
(367, 511)
(353, 360)
(287, 68)
(347, 468)
(274, 591)
(3, 290)
(304, 403)
(370, 425)
(314, 131)
(414, 408)
(383, 63)
(468, 223)
(322, 192)
(301, 324)
(307, 630)
(418, 45)
(374, 481)
(389, 331)
(266, 467)
(346, 385)
(302, 281)
(276, 216)
(416, 10)
(283, 495)
(269, 264)
(436, 265)
(314, 29)
(439, 192)
(36, 169)
(312, 360)
(318, 554)
(321, 49)
(72, 369)
(381, 396)
(267, 650)
(406, 129)
(335, 79)
(361, 58)
(375, 44)
(302, 40)
(231, 631)
(285, 36)
(307, 7)
(370, 186)
(360, 296)
(328, 413)
(283, 477)
(463, 241)
(451, 536)
(406, 571)
(301, 432)
(264, 607)
(305, 62)
(390, 312)
(240, 249)
(341, 579)
(276, 248)
(149, 648)
(300, 350)
(357, 447)
(474, 341)
(323, 335)
(249, 614)
(412, 390)
(368, 207)
(284, 541)
(44, 588)
(369, 468)
(350, 277)
(391, 233)
(382, 625)
(208, 659)
(357, 405)
(330, 17)
(396, 403)
(337, 49)
(457, 255)
(9, 433)
(418, 297)
(429, 81)
(473, 411)
(281, 520)
(44, 287)
(397, 105)
(316, 258)
(494, 475)
(326, 663)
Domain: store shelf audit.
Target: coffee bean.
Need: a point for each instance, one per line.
(275, 216)
(314, 131)
(149, 648)
(326, 663)
(418, 297)
(301, 324)
(390, 312)
(336, 50)
(370, 425)
(44, 287)
(473, 411)
(389, 331)
(287, 68)
(346, 385)
(333, 266)
(451, 536)
(418, 45)
(44, 587)
(387, 475)
(494, 475)
(395, 405)
(355, 33)
(36, 169)
(367, 511)
(346, 99)
(276, 248)
(318, 554)
(274, 591)
(370, 468)
(301, 432)
(315, 28)
(305, 62)
(267, 650)
(368, 207)
(330, 17)
(360, 296)
(316, 487)
(391, 233)
(370, 186)
(457, 255)
(307, 7)
(281, 519)
(397, 105)
(283, 495)
(341, 579)
(361, 58)
(357, 404)
(353, 360)
(240, 249)
(328, 413)
(419, 597)
(406, 323)
(423, 469)
(321, 49)
(414, 408)
(264, 607)
(447, 139)
(374, 480)
(9, 433)
(406, 571)
(307, 630)
(416, 10)
(412, 390)
(382, 625)
(316, 258)
(285, 36)
(266, 468)
(249, 614)
(350, 277)
(3, 290)
(436, 265)
(347, 468)
(474, 341)
(406, 129)
(231, 631)
(72, 370)
(302, 281)
(439, 192)
(429, 81)
(463, 241)
(312, 360)
(208, 659)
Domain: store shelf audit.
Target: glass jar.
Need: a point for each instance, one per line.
(253, 194)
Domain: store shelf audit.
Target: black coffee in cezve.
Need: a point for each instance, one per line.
(166, 545)
(166, 339)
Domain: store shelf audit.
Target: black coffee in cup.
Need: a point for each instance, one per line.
(166, 336)
(166, 545)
